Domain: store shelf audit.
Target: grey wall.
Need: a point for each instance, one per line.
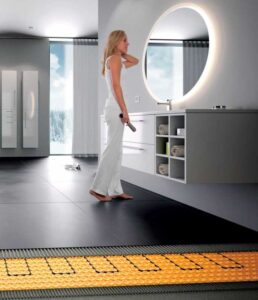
(21, 55)
(233, 82)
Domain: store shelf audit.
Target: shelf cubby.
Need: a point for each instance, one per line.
(161, 160)
(176, 142)
(162, 120)
(177, 169)
(161, 145)
(176, 121)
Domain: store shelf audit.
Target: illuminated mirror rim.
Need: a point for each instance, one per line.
(211, 54)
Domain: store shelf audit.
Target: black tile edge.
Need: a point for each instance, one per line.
(127, 290)
(124, 250)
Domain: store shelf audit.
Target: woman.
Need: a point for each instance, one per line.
(107, 184)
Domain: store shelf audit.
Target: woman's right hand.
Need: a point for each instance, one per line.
(125, 118)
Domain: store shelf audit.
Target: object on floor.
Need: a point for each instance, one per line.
(73, 167)
(70, 272)
(178, 150)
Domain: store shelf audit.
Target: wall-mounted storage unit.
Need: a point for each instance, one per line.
(9, 109)
(193, 146)
(209, 146)
(30, 109)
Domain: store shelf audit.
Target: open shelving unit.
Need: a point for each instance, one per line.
(164, 141)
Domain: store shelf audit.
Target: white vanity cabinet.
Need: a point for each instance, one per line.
(220, 146)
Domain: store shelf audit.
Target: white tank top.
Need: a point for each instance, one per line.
(108, 78)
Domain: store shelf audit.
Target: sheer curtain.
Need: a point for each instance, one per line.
(195, 56)
(85, 108)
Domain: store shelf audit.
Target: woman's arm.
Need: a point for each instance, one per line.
(129, 60)
(115, 68)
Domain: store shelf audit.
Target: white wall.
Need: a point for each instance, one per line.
(232, 81)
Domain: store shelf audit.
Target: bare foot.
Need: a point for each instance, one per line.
(100, 197)
(123, 196)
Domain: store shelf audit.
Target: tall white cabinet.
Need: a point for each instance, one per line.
(9, 109)
(30, 108)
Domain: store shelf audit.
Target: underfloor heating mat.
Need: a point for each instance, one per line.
(126, 270)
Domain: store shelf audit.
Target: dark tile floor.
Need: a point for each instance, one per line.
(42, 205)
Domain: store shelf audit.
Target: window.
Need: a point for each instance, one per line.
(164, 69)
(61, 97)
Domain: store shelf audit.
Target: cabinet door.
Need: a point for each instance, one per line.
(144, 130)
(30, 109)
(138, 157)
(9, 109)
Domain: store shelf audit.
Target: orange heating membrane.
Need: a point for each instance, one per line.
(127, 270)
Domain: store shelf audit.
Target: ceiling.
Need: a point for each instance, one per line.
(182, 24)
(49, 18)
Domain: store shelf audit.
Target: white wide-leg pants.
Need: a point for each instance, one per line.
(107, 179)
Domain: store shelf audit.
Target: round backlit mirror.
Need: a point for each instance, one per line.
(176, 54)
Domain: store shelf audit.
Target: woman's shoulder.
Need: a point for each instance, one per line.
(114, 59)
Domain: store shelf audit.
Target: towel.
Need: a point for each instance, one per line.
(163, 129)
(178, 150)
(163, 169)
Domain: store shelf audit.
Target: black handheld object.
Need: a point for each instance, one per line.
(130, 125)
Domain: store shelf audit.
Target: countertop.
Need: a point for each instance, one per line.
(191, 110)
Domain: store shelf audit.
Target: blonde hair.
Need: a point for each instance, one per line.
(113, 40)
